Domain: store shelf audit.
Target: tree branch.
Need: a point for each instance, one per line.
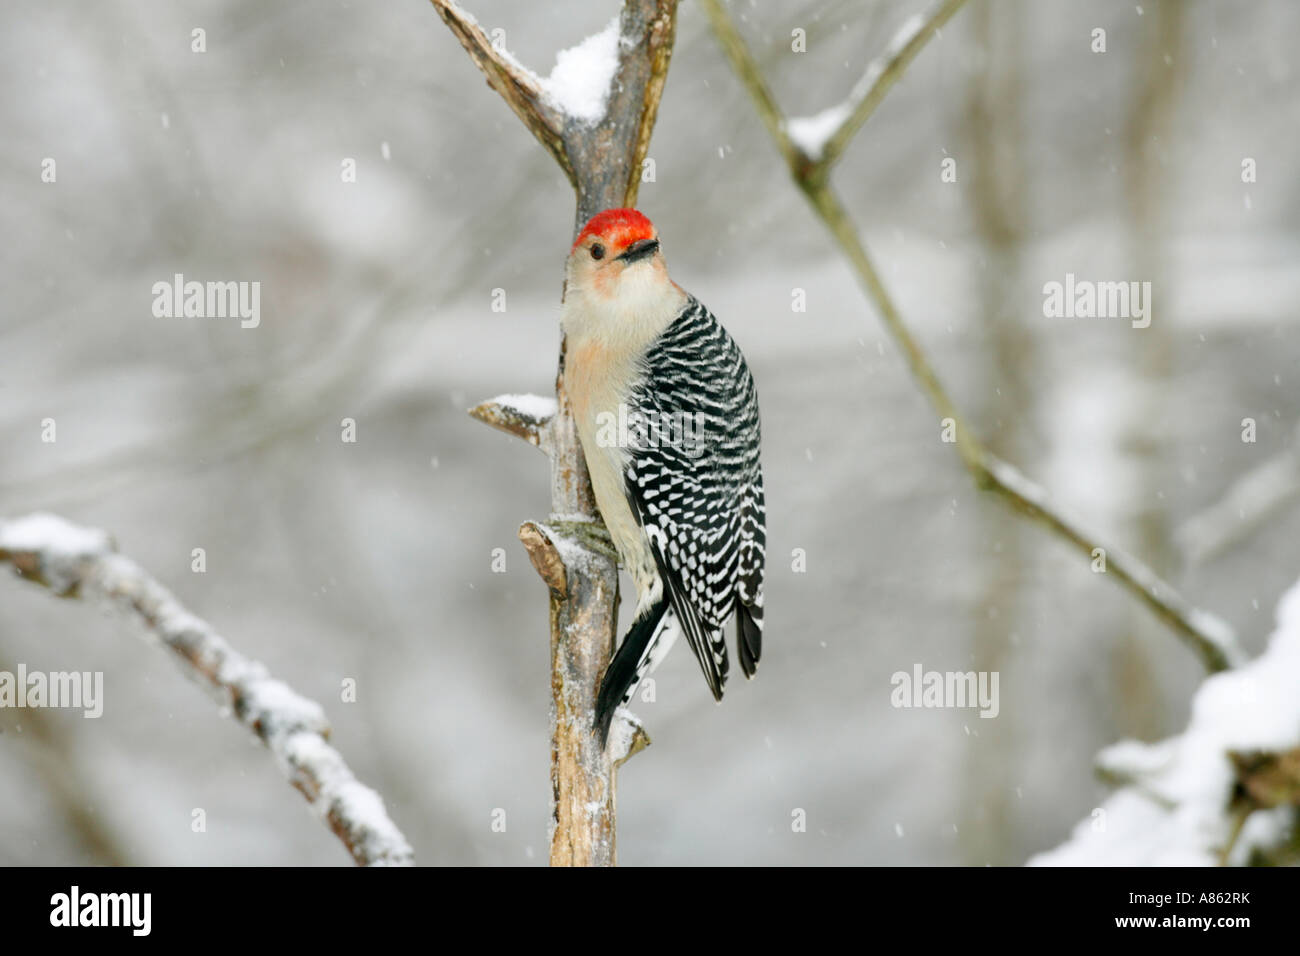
(823, 140)
(525, 416)
(883, 72)
(516, 84)
(79, 562)
(602, 158)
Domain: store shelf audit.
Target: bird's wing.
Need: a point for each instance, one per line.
(694, 482)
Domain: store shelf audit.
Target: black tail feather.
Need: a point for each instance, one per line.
(749, 636)
(621, 673)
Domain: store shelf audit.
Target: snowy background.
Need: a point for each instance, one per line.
(373, 560)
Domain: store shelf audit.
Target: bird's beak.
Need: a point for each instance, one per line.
(641, 249)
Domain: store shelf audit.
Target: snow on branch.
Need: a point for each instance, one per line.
(812, 133)
(583, 88)
(579, 84)
(823, 137)
(577, 87)
(595, 111)
(812, 144)
(1207, 634)
(78, 562)
(524, 416)
(1211, 639)
(518, 85)
(1225, 791)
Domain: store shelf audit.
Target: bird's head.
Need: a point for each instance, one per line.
(616, 258)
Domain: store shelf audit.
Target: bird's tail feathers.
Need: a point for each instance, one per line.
(645, 645)
(749, 636)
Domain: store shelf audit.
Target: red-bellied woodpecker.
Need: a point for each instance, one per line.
(668, 419)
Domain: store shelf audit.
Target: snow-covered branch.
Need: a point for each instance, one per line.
(1211, 639)
(1225, 791)
(823, 137)
(78, 562)
(596, 109)
(518, 85)
(594, 113)
(1207, 634)
(525, 416)
(812, 144)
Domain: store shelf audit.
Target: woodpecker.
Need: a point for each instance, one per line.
(667, 415)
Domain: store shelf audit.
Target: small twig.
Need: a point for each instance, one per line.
(527, 423)
(746, 68)
(627, 737)
(542, 551)
(884, 71)
(79, 562)
(1211, 639)
(1239, 817)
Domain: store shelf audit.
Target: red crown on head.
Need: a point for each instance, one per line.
(618, 227)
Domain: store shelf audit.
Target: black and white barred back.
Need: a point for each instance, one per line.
(695, 485)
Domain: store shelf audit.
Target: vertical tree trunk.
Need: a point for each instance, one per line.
(571, 551)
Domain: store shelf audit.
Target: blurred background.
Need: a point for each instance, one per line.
(373, 560)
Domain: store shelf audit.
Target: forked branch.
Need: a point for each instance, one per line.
(811, 147)
(517, 85)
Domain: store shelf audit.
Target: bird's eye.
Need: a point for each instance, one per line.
(597, 251)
